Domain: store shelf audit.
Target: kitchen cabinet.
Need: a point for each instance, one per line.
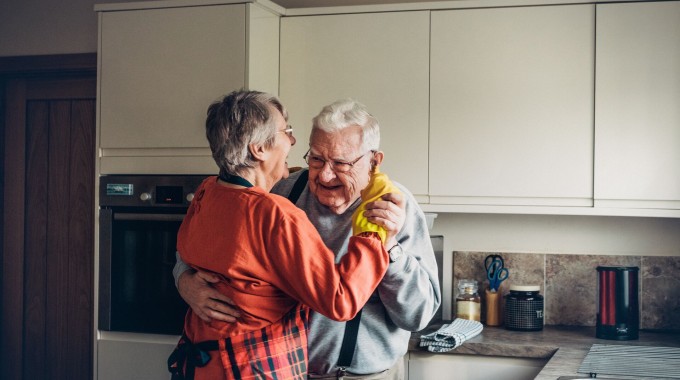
(134, 356)
(160, 67)
(378, 59)
(511, 106)
(637, 106)
(482, 109)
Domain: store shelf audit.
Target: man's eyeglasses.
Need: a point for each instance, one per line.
(316, 162)
(288, 131)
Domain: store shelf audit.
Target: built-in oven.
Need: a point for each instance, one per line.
(138, 222)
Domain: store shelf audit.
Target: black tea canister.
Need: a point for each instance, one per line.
(524, 308)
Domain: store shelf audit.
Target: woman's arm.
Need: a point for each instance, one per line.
(195, 287)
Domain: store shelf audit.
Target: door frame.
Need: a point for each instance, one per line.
(15, 73)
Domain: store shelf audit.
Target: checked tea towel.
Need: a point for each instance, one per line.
(451, 335)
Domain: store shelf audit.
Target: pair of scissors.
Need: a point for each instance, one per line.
(496, 272)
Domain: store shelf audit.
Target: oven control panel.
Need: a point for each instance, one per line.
(148, 190)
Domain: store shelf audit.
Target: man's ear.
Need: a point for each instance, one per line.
(377, 158)
(258, 152)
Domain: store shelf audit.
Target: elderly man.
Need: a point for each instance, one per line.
(344, 147)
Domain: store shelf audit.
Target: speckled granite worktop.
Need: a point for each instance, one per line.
(564, 346)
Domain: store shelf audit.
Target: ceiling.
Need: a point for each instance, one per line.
(332, 3)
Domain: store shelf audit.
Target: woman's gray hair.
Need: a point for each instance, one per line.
(237, 120)
(346, 113)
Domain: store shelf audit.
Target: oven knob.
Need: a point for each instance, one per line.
(144, 196)
(190, 197)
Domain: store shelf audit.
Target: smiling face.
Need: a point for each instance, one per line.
(276, 166)
(336, 190)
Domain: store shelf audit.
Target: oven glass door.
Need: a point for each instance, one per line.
(143, 293)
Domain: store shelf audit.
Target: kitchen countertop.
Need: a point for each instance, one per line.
(564, 346)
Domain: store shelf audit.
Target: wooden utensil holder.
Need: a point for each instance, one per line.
(492, 304)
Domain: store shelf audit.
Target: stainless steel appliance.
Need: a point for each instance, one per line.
(438, 246)
(138, 222)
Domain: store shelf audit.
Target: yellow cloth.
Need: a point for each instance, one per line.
(378, 186)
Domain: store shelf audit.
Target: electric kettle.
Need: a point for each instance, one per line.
(618, 310)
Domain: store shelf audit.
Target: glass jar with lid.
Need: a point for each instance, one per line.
(468, 302)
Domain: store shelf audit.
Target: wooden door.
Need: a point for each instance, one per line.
(48, 229)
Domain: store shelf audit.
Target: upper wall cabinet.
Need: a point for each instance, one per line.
(379, 59)
(159, 70)
(637, 118)
(512, 106)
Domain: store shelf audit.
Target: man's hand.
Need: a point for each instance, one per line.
(196, 289)
(390, 212)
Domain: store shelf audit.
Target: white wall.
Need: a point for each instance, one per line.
(596, 235)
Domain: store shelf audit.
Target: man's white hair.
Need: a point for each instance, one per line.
(346, 113)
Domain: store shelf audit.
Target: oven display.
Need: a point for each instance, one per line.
(119, 189)
(169, 195)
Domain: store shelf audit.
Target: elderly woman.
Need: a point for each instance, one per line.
(270, 258)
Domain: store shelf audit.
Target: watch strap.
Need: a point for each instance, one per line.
(395, 256)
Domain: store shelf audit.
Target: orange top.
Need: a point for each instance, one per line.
(271, 258)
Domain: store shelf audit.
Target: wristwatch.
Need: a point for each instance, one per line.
(395, 253)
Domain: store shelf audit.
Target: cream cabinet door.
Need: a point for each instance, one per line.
(161, 69)
(379, 59)
(512, 106)
(637, 113)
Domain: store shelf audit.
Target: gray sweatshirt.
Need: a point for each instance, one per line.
(405, 301)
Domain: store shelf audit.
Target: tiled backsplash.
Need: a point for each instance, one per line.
(569, 284)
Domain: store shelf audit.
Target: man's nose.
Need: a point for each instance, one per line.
(327, 174)
(293, 140)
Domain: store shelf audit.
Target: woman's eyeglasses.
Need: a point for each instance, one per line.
(288, 131)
